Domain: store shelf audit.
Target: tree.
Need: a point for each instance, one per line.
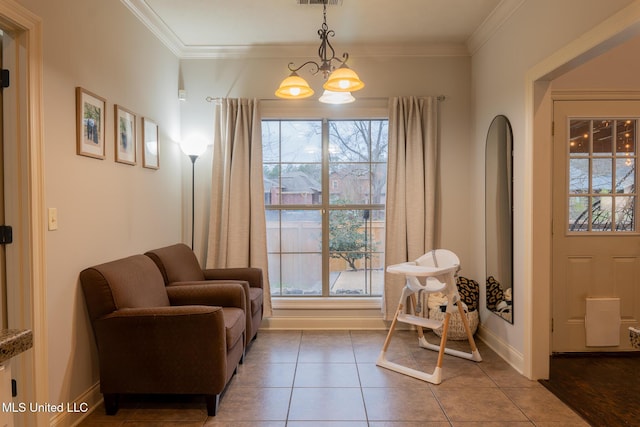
(347, 238)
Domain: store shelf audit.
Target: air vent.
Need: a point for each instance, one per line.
(328, 2)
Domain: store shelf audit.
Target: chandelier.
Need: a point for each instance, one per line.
(339, 82)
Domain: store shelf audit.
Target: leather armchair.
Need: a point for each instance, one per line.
(179, 266)
(154, 339)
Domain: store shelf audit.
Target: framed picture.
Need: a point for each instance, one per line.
(90, 120)
(125, 131)
(150, 154)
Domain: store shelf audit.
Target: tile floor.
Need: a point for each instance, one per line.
(329, 378)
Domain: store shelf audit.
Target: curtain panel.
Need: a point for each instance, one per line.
(411, 188)
(237, 225)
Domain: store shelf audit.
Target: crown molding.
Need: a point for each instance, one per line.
(161, 30)
(307, 51)
(491, 24)
(157, 26)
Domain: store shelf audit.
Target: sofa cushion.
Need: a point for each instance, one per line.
(134, 282)
(255, 295)
(234, 323)
(177, 263)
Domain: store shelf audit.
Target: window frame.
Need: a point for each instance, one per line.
(371, 109)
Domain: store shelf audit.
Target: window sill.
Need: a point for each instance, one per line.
(326, 303)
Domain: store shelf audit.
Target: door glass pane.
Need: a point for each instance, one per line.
(579, 213)
(578, 176)
(624, 213)
(601, 175)
(579, 136)
(602, 208)
(602, 138)
(625, 175)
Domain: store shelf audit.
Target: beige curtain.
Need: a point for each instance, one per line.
(411, 188)
(237, 226)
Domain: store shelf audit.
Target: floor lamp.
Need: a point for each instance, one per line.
(193, 147)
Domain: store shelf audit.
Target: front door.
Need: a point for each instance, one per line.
(596, 238)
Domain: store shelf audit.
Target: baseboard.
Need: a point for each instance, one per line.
(328, 323)
(512, 356)
(79, 409)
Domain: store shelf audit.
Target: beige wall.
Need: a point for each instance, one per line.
(106, 210)
(532, 34)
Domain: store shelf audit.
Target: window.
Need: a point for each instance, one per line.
(325, 191)
(602, 159)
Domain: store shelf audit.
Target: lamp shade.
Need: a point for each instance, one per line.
(194, 145)
(329, 97)
(294, 87)
(343, 79)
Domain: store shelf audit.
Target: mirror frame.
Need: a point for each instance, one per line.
(499, 255)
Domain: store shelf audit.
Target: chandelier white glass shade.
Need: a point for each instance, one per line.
(341, 79)
(329, 97)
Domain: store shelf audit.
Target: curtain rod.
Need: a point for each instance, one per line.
(212, 99)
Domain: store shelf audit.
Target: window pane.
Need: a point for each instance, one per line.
(579, 136)
(301, 184)
(275, 282)
(301, 231)
(579, 213)
(379, 140)
(578, 176)
(352, 183)
(379, 184)
(273, 230)
(302, 274)
(301, 141)
(349, 140)
(356, 241)
(271, 178)
(270, 141)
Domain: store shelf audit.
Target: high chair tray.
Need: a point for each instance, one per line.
(412, 269)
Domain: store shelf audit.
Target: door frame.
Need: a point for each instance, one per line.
(536, 203)
(26, 274)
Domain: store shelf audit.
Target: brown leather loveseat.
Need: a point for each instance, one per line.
(157, 339)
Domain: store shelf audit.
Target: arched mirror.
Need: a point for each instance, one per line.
(499, 218)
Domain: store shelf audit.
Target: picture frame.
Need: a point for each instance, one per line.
(90, 124)
(125, 135)
(150, 144)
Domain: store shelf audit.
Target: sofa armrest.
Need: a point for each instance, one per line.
(127, 338)
(248, 274)
(224, 294)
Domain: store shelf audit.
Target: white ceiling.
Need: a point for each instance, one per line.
(228, 28)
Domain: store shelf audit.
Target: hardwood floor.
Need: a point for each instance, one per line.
(604, 388)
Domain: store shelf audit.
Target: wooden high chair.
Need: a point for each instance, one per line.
(439, 267)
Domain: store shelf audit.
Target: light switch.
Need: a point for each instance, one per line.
(53, 219)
